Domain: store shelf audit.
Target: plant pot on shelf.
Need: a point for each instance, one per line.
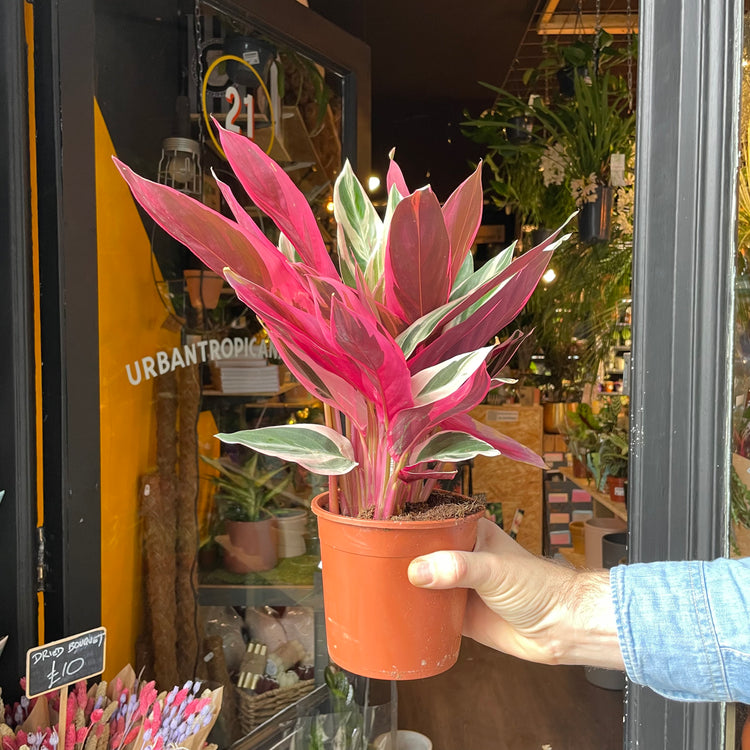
(204, 287)
(593, 530)
(614, 548)
(616, 487)
(555, 415)
(579, 468)
(249, 546)
(377, 624)
(519, 130)
(291, 525)
(595, 219)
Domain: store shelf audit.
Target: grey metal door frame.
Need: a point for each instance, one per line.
(684, 244)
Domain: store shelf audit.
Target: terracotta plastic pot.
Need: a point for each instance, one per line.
(377, 624)
(250, 546)
(204, 288)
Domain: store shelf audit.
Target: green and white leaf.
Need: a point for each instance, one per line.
(491, 268)
(287, 249)
(452, 445)
(355, 213)
(421, 328)
(315, 447)
(467, 268)
(441, 380)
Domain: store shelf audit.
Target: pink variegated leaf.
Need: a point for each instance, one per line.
(491, 317)
(463, 215)
(272, 190)
(414, 473)
(381, 366)
(504, 352)
(216, 240)
(395, 176)
(417, 257)
(411, 425)
(453, 445)
(323, 384)
(506, 446)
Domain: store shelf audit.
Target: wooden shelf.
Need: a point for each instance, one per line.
(576, 559)
(617, 509)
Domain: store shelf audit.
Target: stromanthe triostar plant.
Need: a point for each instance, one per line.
(397, 344)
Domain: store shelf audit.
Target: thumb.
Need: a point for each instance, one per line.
(444, 570)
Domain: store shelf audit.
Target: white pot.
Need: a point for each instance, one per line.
(407, 740)
(291, 527)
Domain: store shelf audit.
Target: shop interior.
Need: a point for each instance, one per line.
(210, 553)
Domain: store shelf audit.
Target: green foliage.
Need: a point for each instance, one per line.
(244, 492)
(610, 456)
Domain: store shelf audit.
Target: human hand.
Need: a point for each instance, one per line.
(525, 605)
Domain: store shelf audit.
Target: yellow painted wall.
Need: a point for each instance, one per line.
(131, 314)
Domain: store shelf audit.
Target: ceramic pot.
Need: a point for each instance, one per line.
(609, 679)
(595, 219)
(614, 548)
(377, 624)
(577, 536)
(616, 489)
(555, 415)
(249, 546)
(406, 739)
(593, 531)
(291, 525)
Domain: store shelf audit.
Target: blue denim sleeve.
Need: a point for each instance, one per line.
(684, 627)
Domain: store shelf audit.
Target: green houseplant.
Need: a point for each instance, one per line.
(244, 495)
(397, 344)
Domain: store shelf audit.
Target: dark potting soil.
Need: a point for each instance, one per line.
(440, 505)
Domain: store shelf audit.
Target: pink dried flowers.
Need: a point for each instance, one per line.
(126, 713)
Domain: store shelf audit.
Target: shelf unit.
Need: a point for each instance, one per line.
(603, 507)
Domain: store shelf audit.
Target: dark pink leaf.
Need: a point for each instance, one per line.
(417, 257)
(272, 190)
(507, 446)
(491, 317)
(216, 240)
(411, 425)
(463, 215)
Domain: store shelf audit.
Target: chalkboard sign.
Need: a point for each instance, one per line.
(64, 662)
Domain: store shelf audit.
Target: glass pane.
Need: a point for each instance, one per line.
(740, 477)
(210, 556)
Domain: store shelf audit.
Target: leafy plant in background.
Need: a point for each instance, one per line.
(399, 345)
(610, 458)
(245, 491)
(581, 432)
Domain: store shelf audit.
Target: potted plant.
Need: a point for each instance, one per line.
(608, 463)
(584, 132)
(580, 431)
(244, 493)
(399, 346)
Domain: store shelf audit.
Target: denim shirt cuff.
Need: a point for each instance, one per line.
(667, 630)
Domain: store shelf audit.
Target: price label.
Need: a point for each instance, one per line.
(60, 663)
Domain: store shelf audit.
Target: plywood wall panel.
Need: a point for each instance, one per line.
(512, 483)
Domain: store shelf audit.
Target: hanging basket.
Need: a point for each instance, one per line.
(595, 219)
(377, 623)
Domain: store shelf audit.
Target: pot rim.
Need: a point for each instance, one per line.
(319, 509)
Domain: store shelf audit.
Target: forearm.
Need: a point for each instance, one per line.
(585, 631)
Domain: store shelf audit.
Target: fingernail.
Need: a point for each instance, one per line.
(420, 572)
